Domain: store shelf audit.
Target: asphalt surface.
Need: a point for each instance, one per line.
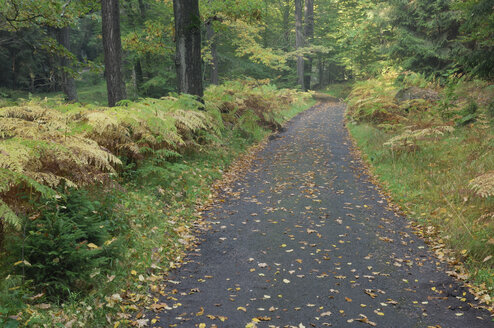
(306, 240)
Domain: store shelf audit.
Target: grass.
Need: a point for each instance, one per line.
(428, 176)
(339, 90)
(157, 213)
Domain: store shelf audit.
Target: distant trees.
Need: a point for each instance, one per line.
(299, 42)
(188, 60)
(308, 35)
(68, 82)
(45, 45)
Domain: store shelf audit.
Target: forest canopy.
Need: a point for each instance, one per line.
(46, 44)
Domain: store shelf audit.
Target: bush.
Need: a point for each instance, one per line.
(67, 245)
(490, 109)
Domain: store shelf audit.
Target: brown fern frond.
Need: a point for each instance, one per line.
(483, 185)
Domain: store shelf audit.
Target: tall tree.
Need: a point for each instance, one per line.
(112, 46)
(188, 60)
(210, 34)
(309, 35)
(299, 42)
(68, 83)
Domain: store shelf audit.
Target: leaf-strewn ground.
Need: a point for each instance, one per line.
(306, 240)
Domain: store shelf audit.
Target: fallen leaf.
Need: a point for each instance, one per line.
(92, 246)
(364, 319)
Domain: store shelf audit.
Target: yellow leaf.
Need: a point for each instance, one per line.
(92, 246)
(202, 325)
(241, 308)
(133, 272)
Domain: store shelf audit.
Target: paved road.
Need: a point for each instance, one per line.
(305, 240)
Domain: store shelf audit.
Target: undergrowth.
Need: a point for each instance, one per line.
(433, 151)
(80, 258)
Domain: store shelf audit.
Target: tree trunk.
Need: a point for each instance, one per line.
(286, 25)
(309, 34)
(299, 43)
(214, 53)
(188, 46)
(321, 71)
(112, 47)
(142, 11)
(68, 82)
(13, 55)
(139, 75)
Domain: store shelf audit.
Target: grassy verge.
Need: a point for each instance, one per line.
(435, 155)
(139, 224)
(339, 90)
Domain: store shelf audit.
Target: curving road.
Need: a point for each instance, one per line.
(306, 240)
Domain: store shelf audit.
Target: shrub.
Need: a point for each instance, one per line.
(67, 245)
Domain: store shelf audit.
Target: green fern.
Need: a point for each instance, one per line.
(9, 216)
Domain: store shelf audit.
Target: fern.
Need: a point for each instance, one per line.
(9, 216)
(44, 144)
(407, 140)
(483, 185)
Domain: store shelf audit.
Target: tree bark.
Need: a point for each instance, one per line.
(188, 60)
(68, 82)
(321, 71)
(112, 46)
(214, 78)
(286, 25)
(299, 42)
(309, 35)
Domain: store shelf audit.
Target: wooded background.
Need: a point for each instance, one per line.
(45, 45)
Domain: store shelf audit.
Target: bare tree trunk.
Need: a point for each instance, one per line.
(309, 34)
(13, 55)
(142, 10)
(321, 70)
(188, 60)
(286, 25)
(68, 82)
(214, 53)
(112, 46)
(139, 79)
(299, 42)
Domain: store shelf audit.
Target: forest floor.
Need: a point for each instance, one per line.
(305, 239)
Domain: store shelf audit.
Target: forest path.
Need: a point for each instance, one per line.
(306, 240)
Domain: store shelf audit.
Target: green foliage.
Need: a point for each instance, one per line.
(373, 100)
(339, 90)
(12, 300)
(490, 109)
(68, 244)
(245, 102)
(425, 34)
(476, 35)
(46, 144)
(468, 114)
